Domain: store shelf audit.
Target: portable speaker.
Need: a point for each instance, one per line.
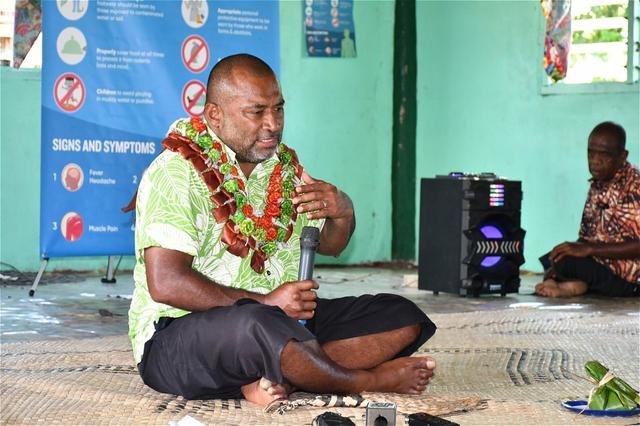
(471, 241)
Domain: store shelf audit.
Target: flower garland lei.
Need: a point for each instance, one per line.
(245, 226)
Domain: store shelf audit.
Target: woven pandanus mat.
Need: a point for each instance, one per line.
(525, 362)
(497, 367)
(93, 381)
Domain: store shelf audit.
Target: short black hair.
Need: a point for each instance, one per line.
(221, 72)
(613, 132)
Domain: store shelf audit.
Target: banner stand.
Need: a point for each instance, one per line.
(109, 277)
(43, 265)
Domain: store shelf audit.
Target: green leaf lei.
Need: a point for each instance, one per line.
(269, 228)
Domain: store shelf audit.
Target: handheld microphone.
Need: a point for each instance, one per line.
(309, 241)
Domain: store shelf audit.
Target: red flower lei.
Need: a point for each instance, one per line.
(245, 228)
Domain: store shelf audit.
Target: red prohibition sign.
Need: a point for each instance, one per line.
(69, 92)
(195, 53)
(193, 97)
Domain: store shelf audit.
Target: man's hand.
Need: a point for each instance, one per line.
(570, 249)
(296, 298)
(320, 199)
(621, 250)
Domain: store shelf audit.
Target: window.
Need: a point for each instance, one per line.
(600, 44)
(604, 44)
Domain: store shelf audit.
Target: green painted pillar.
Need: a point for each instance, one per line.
(403, 173)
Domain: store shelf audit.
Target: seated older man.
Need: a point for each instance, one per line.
(606, 258)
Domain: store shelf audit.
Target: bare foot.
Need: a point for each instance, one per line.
(263, 391)
(547, 288)
(403, 375)
(551, 288)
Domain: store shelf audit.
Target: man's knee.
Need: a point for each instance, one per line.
(410, 333)
(567, 267)
(423, 327)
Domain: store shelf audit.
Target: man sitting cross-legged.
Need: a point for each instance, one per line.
(216, 306)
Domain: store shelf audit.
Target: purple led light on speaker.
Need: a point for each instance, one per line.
(492, 232)
(489, 261)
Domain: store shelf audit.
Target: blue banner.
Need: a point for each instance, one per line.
(115, 75)
(329, 28)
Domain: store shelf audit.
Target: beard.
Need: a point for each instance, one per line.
(253, 157)
(249, 152)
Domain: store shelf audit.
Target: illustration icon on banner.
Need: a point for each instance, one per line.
(69, 92)
(72, 177)
(195, 12)
(195, 53)
(71, 46)
(193, 98)
(71, 226)
(72, 9)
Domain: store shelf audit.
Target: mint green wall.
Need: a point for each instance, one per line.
(480, 109)
(338, 119)
(19, 167)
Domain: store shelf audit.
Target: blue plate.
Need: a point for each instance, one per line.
(582, 408)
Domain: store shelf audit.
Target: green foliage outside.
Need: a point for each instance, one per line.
(598, 36)
(605, 35)
(611, 11)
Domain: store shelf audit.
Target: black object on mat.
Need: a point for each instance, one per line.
(426, 419)
(332, 419)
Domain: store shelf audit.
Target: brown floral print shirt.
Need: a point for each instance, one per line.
(612, 215)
